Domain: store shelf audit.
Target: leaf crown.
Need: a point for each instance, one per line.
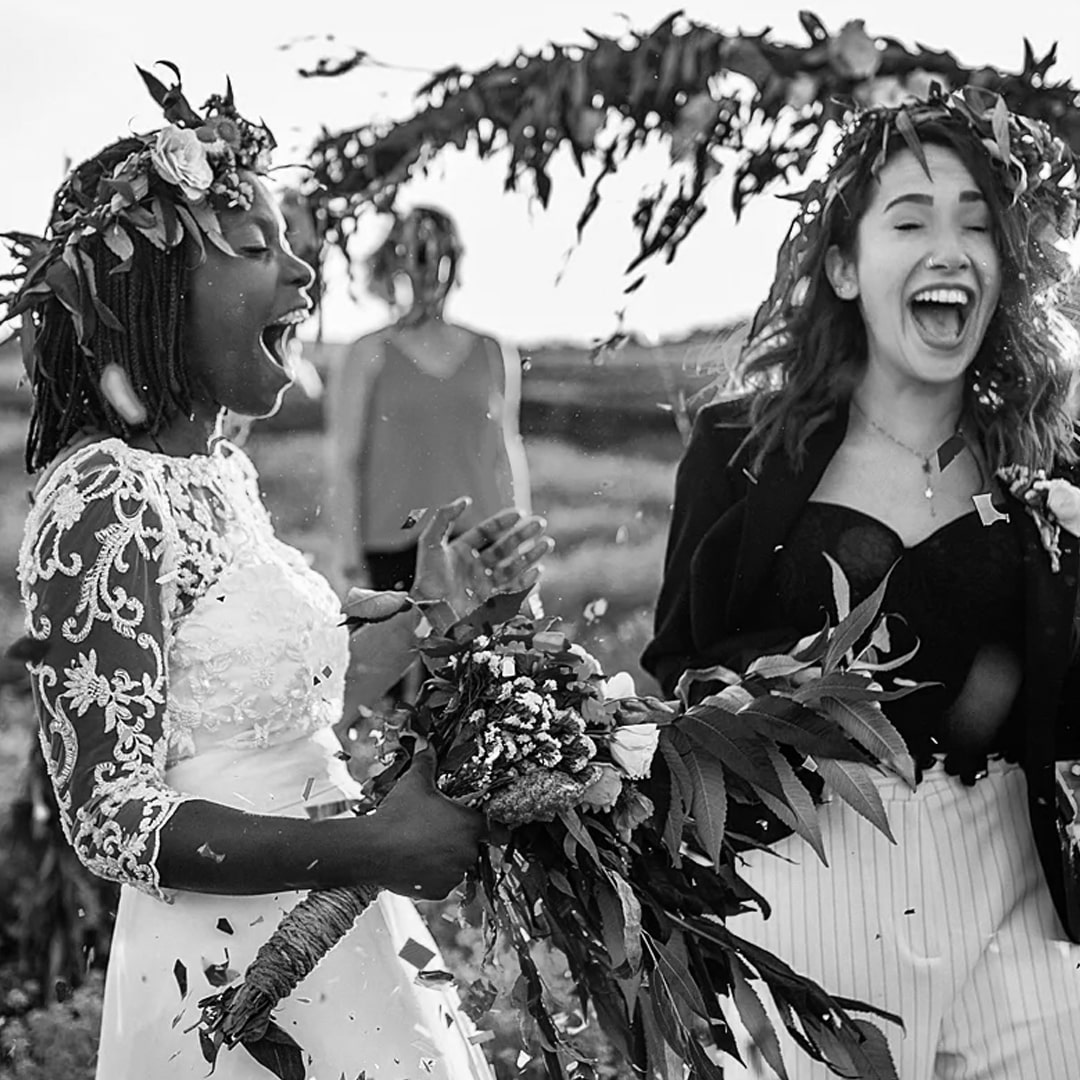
(1038, 173)
(172, 183)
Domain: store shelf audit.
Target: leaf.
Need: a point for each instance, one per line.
(157, 88)
(852, 782)
(676, 976)
(776, 667)
(999, 123)
(870, 728)
(631, 918)
(788, 723)
(841, 589)
(849, 630)
(798, 808)
(845, 686)
(497, 608)
(744, 758)
(906, 128)
(719, 673)
(813, 26)
(580, 833)
(680, 799)
(754, 1018)
(365, 607)
(279, 1052)
(120, 244)
(656, 1053)
(710, 802)
(875, 1051)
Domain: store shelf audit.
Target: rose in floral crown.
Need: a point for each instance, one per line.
(171, 184)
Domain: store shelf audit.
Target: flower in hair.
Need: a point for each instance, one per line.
(179, 157)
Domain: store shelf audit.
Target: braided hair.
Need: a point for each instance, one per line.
(148, 302)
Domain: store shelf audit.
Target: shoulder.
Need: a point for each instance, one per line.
(97, 471)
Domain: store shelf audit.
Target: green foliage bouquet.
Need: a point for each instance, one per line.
(612, 833)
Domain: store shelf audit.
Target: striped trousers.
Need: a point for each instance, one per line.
(953, 928)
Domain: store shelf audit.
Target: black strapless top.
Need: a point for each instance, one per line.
(957, 595)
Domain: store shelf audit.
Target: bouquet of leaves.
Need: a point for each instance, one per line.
(611, 836)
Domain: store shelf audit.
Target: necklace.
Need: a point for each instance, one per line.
(944, 453)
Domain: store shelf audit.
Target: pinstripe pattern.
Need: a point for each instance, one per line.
(953, 928)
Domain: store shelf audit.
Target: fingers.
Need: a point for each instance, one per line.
(482, 536)
(438, 525)
(508, 548)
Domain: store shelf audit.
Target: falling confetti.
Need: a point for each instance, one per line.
(412, 518)
(180, 975)
(416, 954)
(308, 786)
(225, 926)
(117, 390)
(434, 979)
(988, 512)
(219, 974)
(207, 852)
(481, 1037)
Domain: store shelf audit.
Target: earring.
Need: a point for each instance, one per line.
(846, 291)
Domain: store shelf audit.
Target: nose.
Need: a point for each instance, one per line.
(296, 272)
(948, 252)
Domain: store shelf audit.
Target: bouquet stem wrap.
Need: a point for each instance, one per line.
(241, 1013)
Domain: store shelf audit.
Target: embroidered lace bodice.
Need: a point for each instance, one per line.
(178, 626)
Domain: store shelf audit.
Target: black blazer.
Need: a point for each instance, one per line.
(726, 527)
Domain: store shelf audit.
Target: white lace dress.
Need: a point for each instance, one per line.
(193, 655)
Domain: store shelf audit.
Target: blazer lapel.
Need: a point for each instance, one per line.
(773, 501)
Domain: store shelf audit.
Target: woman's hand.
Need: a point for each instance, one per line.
(501, 554)
(1063, 501)
(431, 840)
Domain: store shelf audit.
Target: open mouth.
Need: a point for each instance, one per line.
(278, 336)
(942, 314)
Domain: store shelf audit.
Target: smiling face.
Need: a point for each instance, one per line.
(242, 310)
(925, 269)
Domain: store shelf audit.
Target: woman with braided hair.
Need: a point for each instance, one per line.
(910, 416)
(187, 665)
(421, 411)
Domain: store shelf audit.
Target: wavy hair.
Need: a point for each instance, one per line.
(808, 348)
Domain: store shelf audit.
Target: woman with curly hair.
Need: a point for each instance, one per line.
(911, 417)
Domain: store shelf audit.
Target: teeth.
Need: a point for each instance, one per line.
(941, 296)
(291, 318)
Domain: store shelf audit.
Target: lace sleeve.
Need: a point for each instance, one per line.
(91, 566)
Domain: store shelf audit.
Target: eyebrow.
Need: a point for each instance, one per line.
(928, 200)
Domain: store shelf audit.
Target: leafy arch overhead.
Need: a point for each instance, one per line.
(742, 102)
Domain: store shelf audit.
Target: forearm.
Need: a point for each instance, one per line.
(209, 848)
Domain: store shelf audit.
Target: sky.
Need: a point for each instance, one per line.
(68, 86)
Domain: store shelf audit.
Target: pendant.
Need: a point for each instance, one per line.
(929, 492)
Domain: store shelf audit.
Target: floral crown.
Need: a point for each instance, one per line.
(172, 183)
(1038, 172)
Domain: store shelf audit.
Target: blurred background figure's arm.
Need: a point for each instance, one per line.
(514, 467)
(348, 391)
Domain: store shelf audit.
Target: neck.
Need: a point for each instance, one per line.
(920, 414)
(184, 435)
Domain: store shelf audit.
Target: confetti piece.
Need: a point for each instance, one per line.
(988, 512)
(523, 1059)
(434, 979)
(427, 1064)
(224, 925)
(416, 954)
(207, 852)
(120, 394)
(622, 534)
(180, 975)
(412, 518)
(256, 921)
(308, 786)
(481, 1037)
(219, 974)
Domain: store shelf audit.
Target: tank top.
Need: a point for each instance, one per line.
(957, 595)
(428, 440)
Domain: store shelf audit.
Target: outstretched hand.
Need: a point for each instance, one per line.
(501, 554)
